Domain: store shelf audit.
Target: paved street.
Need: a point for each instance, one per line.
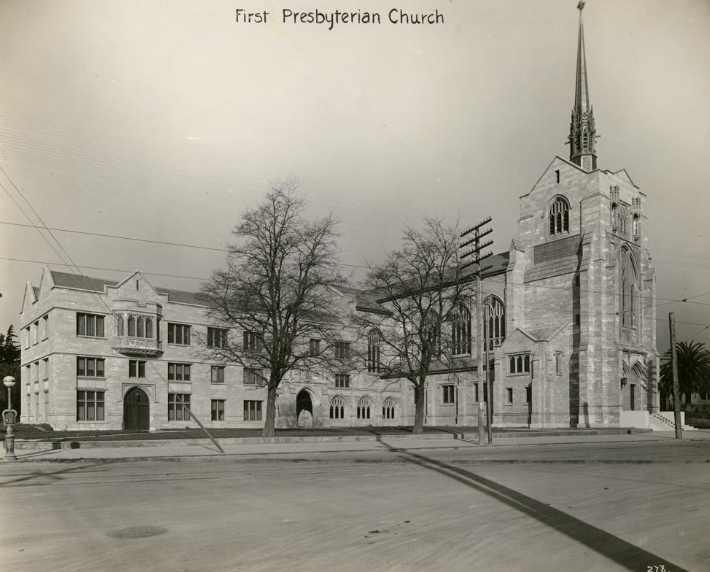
(582, 506)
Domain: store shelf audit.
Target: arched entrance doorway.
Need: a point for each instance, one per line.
(136, 410)
(304, 409)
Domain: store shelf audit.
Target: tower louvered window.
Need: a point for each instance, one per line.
(559, 217)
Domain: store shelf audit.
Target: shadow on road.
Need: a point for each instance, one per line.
(623, 553)
(39, 474)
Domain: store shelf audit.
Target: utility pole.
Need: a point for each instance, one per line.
(475, 252)
(676, 389)
(488, 382)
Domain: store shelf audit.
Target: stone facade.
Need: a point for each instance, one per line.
(574, 342)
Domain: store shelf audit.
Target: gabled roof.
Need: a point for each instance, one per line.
(543, 334)
(557, 158)
(66, 280)
(624, 173)
(183, 296)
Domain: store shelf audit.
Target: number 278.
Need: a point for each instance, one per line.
(659, 568)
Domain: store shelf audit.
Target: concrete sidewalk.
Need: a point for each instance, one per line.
(208, 451)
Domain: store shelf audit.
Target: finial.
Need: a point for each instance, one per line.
(580, 6)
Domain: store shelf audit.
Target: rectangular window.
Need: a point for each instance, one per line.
(177, 404)
(475, 392)
(342, 350)
(216, 337)
(179, 334)
(519, 363)
(136, 368)
(178, 372)
(342, 380)
(91, 325)
(35, 372)
(252, 341)
(35, 333)
(448, 394)
(89, 405)
(314, 347)
(509, 395)
(89, 367)
(217, 374)
(558, 363)
(252, 410)
(26, 332)
(45, 327)
(218, 410)
(253, 376)
(45, 368)
(528, 394)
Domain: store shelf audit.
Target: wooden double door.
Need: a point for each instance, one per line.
(136, 410)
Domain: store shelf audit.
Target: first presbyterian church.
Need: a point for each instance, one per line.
(571, 330)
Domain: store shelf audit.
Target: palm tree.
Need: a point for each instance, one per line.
(693, 372)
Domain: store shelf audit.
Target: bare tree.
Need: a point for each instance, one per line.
(421, 324)
(275, 294)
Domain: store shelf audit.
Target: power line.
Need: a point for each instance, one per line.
(182, 245)
(102, 268)
(688, 300)
(205, 279)
(35, 213)
(146, 240)
(35, 226)
(72, 268)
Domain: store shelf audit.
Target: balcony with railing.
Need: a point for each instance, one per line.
(132, 345)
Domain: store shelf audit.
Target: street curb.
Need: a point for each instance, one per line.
(273, 456)
(77, 443)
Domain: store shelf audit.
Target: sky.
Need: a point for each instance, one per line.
(163, 121)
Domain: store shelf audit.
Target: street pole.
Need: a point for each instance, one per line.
(676, 389)
(8, 417)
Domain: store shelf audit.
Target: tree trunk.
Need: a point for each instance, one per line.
(418, 428)
(270, 421)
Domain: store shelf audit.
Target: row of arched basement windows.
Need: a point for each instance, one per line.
(364, 408)
(134, 326)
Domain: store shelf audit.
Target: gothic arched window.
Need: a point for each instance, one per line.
(495, 327)
(363, 408)
(373, 351)
(131, 326)
(140, 330)
(388, 408)
(628, 294)
(119, 325)
(337, 408)
(461, 330)
(149, 327)
(431, 327)
(559, 216)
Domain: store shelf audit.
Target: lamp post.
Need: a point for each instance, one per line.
(8, 417)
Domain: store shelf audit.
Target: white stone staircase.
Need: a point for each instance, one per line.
(664, 421)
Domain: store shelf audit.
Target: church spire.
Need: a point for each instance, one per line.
(582, 133)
